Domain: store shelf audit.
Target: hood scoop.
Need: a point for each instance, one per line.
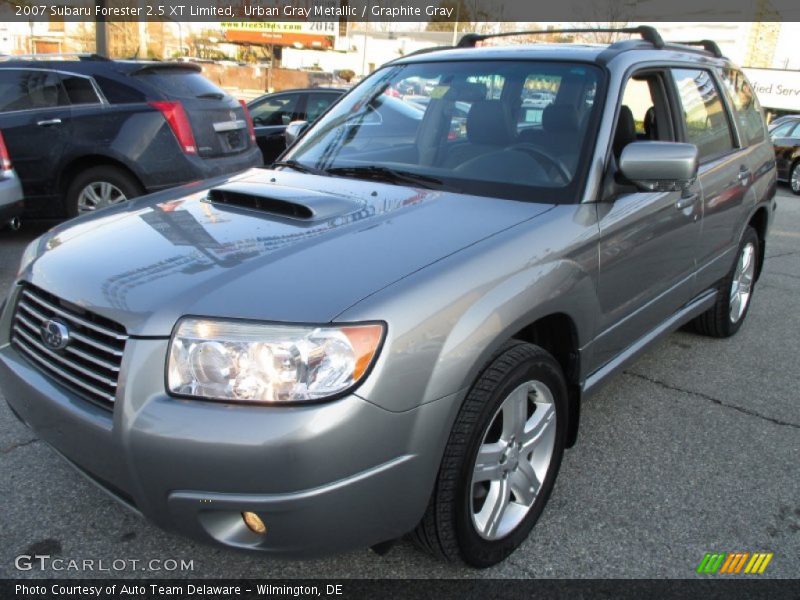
(283, 201)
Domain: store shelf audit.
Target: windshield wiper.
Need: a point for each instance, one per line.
(298, 166)
(211, 96)
(388, 175)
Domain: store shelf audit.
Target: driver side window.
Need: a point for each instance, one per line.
(279, 110)
(644, 113)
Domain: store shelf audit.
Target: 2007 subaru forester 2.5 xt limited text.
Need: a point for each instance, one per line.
(391, 331)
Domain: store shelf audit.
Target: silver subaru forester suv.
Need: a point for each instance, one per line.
(391, 331)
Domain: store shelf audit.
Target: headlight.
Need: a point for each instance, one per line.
(252, 362)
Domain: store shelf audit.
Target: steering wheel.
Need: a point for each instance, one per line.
(538, 155)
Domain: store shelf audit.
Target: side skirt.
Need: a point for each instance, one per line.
(696, 307)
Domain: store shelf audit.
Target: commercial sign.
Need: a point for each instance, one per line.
(777, 89)
(307, 34)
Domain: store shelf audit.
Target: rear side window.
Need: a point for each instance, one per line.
(25, 90)
(707, 124)
(79, 90)
(745, 103)
(117, 92)
(178, 83)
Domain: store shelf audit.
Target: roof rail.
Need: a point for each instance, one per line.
(421, 51)
(649, 34)
(707, 45)
(56, 55)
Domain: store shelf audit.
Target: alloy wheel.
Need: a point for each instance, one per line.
(742, 283)
(794, 180)
(513, 460)
(99, 194)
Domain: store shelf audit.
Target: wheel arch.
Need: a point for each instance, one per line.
(556, 317)
(557, 333)
(759, 221)
(72, 168)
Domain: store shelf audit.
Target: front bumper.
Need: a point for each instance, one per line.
(324, 478)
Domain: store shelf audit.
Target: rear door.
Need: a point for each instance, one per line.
(785, 138)
(270, 116)
(725, 173)
(217, 119)
(35, 121)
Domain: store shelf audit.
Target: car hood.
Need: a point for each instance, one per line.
(157, 258)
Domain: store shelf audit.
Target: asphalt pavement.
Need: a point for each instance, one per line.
(695, 448)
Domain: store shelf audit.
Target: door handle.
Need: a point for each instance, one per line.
(744, 175)
(686, 201)
(48, 122)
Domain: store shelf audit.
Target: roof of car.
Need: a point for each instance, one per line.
(554, 51)
(98, 65)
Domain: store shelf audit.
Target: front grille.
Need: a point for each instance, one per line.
(89, 364)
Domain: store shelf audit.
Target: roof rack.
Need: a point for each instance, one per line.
(56, 55)
(707, 45)
(649, 34)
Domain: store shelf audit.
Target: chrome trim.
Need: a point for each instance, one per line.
(86, 356)
(67, 315)
(224, 126)
(61, 373)
(92, 370)
(27, 337)
(78, 336)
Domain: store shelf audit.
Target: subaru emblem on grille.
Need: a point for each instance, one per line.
(55, 334)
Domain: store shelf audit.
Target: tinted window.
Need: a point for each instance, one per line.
(79, 90)
(783, 130)
(118, 93)
(318, 104)
(23, 90)
(178, 83)
(707, 123)
(474, 139)
(279, 110)
(745, 103)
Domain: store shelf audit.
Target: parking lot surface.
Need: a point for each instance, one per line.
(694, 448)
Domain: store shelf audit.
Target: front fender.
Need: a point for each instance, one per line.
(445, 321)
(560, 287)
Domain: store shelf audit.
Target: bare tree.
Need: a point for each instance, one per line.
(609, 14)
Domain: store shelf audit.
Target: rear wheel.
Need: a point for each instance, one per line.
(794, 178)
(100, 187)
(501, 460)
(733, 300)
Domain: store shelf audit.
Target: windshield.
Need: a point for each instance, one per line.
(511, 129)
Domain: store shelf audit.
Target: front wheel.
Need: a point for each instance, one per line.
(733, 299)
(501, 460)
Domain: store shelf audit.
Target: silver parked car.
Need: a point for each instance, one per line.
(11, 201)
(391, 332)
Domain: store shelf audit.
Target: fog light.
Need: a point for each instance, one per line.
(254, 523)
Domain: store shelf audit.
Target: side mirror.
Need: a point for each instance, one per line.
(293, 131)
(659, 166)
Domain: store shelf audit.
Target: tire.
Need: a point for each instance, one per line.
(453, 528)
(104, 175)
(720, 320)
(794, 178)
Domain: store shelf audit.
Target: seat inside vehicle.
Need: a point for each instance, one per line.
(625, 132)
(490, 127)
